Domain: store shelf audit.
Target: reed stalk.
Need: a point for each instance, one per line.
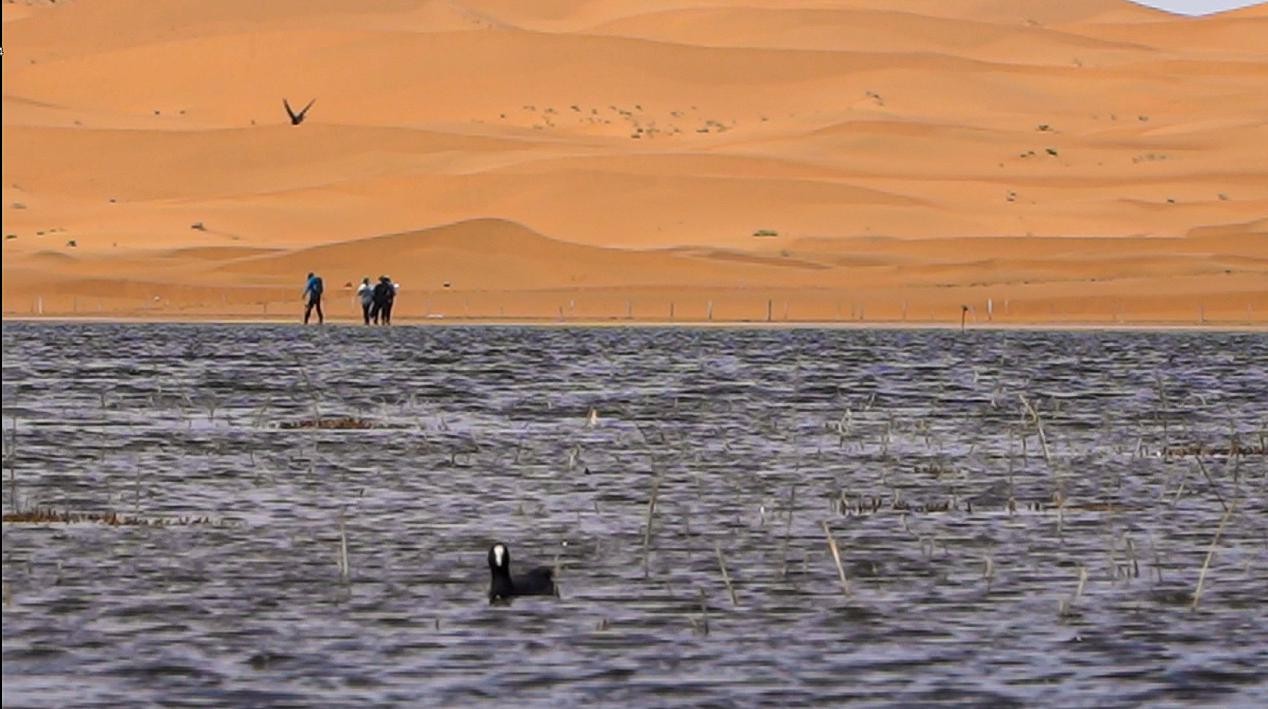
(1043, 438)
(344, 569)
(783, 557)
(836, 557)
(647, 533)
(1214, 488)
(1210, 553)
(12, 460)
(726, 578)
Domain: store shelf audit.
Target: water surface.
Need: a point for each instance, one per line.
(963, 533)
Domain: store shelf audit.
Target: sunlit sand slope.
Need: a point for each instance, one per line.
(1035, 161)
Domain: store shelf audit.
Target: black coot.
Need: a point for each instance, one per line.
(537, 582)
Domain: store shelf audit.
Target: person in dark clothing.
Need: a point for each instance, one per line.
(312, 293)
(376, 301)
(384, 297)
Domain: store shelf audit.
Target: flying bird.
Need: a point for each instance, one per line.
(297, 118)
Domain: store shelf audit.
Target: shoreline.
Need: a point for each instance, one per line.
(1071, 326)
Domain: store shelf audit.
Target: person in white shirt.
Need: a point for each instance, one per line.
(366, 294)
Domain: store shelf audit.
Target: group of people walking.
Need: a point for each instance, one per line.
(376, 300)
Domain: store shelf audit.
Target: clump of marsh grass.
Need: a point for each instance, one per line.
(1234, 448)
(342, 423)
(45, 515)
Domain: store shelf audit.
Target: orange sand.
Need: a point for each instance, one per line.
(1088, 161)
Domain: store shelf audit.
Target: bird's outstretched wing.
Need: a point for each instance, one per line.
(310, 105)
(289, 111)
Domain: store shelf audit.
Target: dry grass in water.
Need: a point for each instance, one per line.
(345, 423)
(112, 519)
(1195, 450)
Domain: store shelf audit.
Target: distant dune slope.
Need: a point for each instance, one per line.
(634, 144)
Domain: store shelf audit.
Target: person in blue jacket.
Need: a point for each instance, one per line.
(312, 293)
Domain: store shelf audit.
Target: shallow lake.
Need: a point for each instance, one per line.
(1022, 518)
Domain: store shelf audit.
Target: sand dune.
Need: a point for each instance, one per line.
(849, 159)
(852, 30)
